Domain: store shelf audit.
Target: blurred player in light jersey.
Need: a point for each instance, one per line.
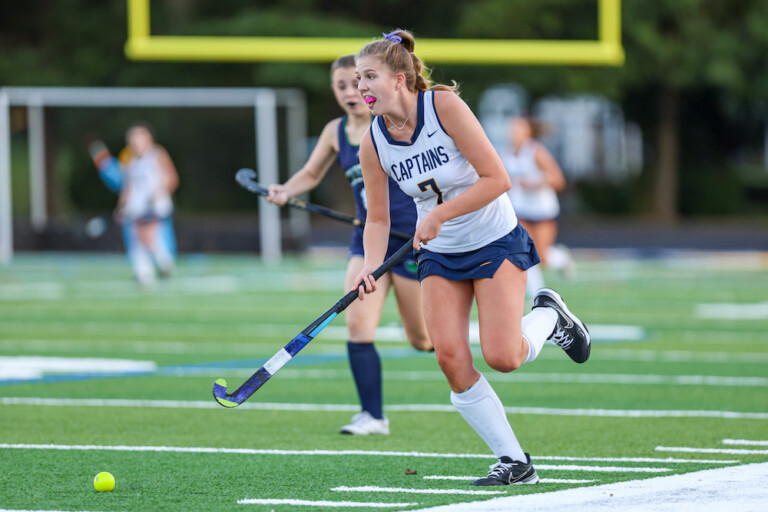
(470, 246)
(536, 179)
(145, 178)
(339, 142)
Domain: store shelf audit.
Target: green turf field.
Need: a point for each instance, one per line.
(97, 375)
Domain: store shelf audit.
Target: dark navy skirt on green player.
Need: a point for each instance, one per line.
(516, 246)
(405, 268)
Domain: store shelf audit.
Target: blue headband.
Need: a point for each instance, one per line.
(392, 37)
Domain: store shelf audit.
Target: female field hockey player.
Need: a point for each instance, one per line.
(536, 179)
(149, 180)
(469, 243)
(340, 141)
(112, 172)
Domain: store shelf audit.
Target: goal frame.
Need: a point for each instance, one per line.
(264, 101)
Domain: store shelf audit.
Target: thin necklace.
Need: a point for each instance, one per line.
(393, 125)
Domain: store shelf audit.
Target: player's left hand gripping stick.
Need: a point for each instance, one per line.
(285, 354)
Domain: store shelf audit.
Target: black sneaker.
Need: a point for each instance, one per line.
(508, 471)
(569, 334)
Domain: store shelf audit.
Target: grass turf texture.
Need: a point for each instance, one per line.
(231, 313)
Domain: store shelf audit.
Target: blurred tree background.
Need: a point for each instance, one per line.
(695, 80)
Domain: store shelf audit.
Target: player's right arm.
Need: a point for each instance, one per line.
(110, 170)
(309, 176)
(376, 234)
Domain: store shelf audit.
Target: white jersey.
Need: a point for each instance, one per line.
(432, 170)
(147, 195)
(530, 204)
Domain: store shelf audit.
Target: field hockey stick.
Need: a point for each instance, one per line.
(285, 354)
(246, 178)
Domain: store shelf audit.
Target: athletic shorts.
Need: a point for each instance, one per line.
(405, 267)
(148, 209)
(516, 246)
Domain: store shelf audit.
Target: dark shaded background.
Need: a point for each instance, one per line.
(694, 80)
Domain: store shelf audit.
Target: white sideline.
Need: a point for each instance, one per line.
(739, 488)
(332, 504)
(732, 451)
(266, 406)
(541, 480)
(733, 311)
(745, 442)
(668, 460)
(396, 333)
(36, 366)
(543, 378)
(257, 451)
(373, 488)
(206, 347)
(601, 469)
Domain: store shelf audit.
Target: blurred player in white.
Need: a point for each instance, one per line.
(340, 141)
(145, 199)
(429, 141)
(536, 178)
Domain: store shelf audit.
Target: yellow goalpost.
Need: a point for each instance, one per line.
(606, 50)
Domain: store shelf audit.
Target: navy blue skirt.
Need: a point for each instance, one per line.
(405, 268)
(516, 246)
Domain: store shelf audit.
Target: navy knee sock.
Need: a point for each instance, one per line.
(366, 369)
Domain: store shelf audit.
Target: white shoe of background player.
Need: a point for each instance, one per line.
(364, 424)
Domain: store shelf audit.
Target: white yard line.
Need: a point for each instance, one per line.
(668, 460)
(733, 311)
(561, 378)
(598, 332)
(730, 451)
(741, 488)
(541, 378)
(373, 488)
(331, 504)
(674, 356)
(267, 406)
(187, 347)
(541, 480)
(26, 510)
(257, 451)
(31, 291)
(745, 442)
(173, 404)
(145, 347)
(600, 469)
(74, 364)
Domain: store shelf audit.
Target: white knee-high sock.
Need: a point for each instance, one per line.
(535, 280)
(557, 257)
(142, 265)
(537, 327)
(163, 256)
(482, 409)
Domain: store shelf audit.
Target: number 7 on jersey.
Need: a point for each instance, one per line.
(433, 184)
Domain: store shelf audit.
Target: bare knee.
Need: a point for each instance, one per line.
(421, 343)
(359, 328)
(454, 366)
(504, 362)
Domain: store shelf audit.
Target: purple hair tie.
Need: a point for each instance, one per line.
(392, 37)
